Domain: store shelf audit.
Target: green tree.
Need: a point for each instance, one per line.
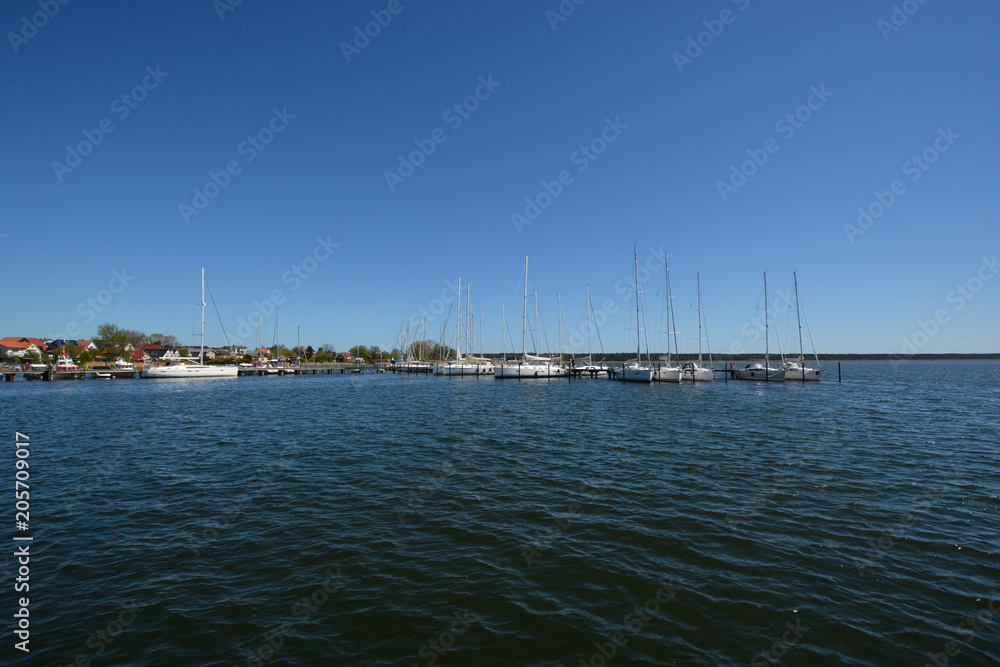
(310, 353)
(376, 352)
(184, 352)
(87, 356)
(112, 341)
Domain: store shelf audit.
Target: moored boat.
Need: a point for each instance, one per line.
(693, 371)
(636, 370)
(530, 366)
(182, 369)
(762, 370)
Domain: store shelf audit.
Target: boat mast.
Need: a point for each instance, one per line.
(671, 311)
(468, 314)
(524, 313)
(798, 319)
(708, 343)
(589, 357)
(666, 278)
(638, 347)
(503, 329)
(559, 301)
(458, 323)
(201, 348)
(480, 328)
(777, 338)
(699, 318)
(805, 316)
(767, 357)
(536, 320)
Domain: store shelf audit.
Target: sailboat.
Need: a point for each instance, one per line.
(795, 369)
(530, 366)
(693, 371)
(178, 369)
(636, 371)
(762, 371)
(468, 365)
(588, 368)
(668, 372)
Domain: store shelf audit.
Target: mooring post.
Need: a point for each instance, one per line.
(838, 371)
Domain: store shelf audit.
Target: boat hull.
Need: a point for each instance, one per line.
(760, 375)
(528, 371)
(692, 372)
(464, 369)
(667, 374)
(637, 374)
(189, 371)
(802, 375)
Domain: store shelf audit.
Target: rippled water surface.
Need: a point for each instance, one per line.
(381, 519)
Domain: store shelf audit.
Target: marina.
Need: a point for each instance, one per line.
(607, 370)
(380, 479)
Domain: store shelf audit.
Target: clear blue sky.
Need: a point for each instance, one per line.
(198, 87)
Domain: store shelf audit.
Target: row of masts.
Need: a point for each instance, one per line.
(468, 340)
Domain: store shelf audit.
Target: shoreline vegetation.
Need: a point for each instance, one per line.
(112, 342)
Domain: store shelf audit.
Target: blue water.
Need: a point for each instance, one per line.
(381, 519)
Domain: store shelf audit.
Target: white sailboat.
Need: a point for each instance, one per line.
(693, 371)
(668, 371)
(796, 369)
(530, 366)
(762, 371)
(588, 368)
(179, 369)
(467, 365)
(636, 371)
